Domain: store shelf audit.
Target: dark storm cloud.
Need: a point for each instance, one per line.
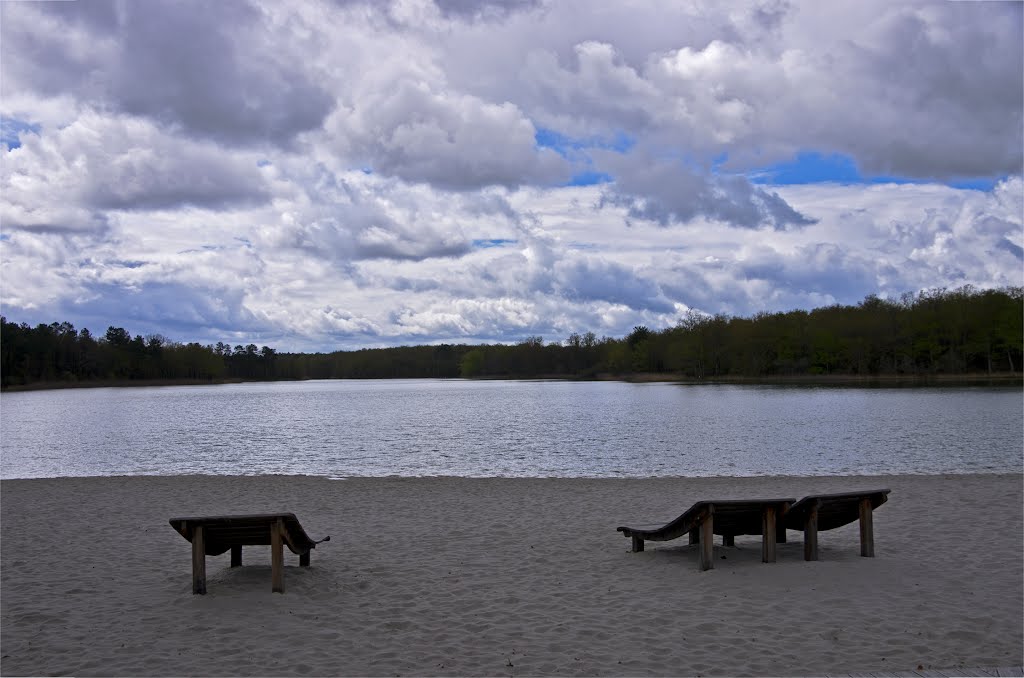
(770, 15)
(58, 221)
(600, 280)
(668, 192)
(177, 310)
(692, 286)
(206, 67)
(945, 88)
(816, 268)
(484, 9)
(768, 280)
(1006, 245)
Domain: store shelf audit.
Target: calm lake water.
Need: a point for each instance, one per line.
(509, 428)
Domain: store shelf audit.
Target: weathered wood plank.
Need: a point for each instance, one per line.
(811, 534)
(833, 511)
(867, 532)
(213, 535)
(277, 556)
(198, 562)
(707, 540)
(768, 534)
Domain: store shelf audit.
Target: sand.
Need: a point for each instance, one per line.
(503, 577)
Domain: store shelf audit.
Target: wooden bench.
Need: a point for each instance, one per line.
(728, 518)
(213, 535)
(818, 512)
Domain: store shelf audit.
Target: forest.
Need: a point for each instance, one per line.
(958, 332)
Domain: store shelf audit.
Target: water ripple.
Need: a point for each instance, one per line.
(509, 428)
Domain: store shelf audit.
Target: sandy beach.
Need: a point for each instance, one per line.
(504, 577)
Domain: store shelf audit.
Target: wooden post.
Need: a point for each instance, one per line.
(728, 540)
(304, 559)
(638, 543)
(236, 556)
(768, 536)
(780, 533)
(277, 556)
(707, 540)
(198, 561)
(811, 533)
(867, 529)
(694, 536)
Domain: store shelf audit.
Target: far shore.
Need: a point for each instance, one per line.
(974, 379)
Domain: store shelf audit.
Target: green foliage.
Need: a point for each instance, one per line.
(963, 331)
(472, 364)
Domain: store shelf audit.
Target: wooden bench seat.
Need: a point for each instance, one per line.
(769, 518)
(818, 512)
(214, 535)
(729, 518)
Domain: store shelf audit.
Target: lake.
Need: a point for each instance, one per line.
(509, 428)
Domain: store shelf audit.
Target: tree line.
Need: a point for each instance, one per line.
(945, 332)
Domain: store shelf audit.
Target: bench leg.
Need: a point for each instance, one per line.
(811, 535)
(304, 559)
(707, 543)
(198, 561)
(694, 536)
(768, 535)
(728, 540)
(236, 556)
(638, 543)
(277, 556)
(867, 529)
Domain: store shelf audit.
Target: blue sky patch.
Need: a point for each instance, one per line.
(575, 151)
(492, 242)
(565, 146)
(811, 167)
(11, 130)
(589, 178)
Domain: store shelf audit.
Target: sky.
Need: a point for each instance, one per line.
(338, 174)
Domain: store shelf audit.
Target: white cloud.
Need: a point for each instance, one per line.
(328, 174)
(452, 141)
(568, 265)
(224, 71)
(67, 179)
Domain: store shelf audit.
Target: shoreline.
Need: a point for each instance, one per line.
(517, 478)
(504, 576)
(882, 380)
